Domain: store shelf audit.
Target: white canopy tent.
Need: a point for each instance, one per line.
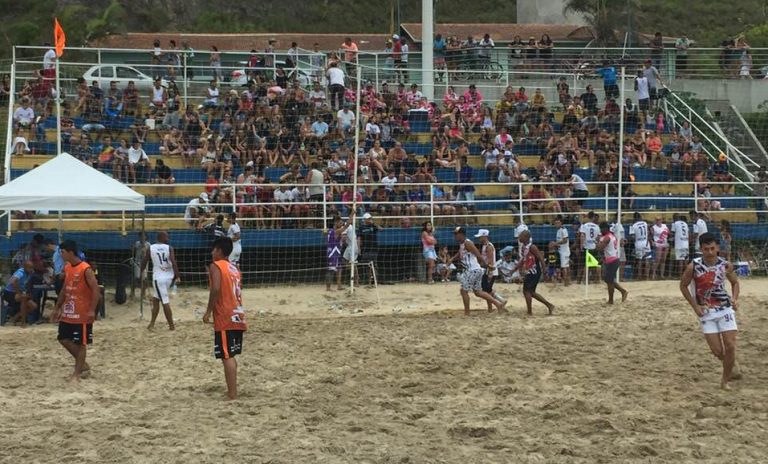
(66, 184)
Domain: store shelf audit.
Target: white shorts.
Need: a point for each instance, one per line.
(720, 321)
(472, 281)
(237, 249)
(162, 289)
(681, 254)
(137, 272)
(642, 253)
(565, 260)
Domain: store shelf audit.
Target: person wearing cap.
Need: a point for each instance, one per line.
(473, 263)
(368, 242)
(489, 253)
(197, 211)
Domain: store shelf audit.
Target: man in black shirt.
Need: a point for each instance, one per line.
(589, 100)
(163, 173)
(369, 246)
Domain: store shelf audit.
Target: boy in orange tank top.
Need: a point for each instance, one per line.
(225, 306)
(75, 308)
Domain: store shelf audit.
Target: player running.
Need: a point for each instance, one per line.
(609, 245)
(489, 276)
(165, 273)
(531, 264)
(639, 233)
(75, 309)
(334, 253)
(225, 306)
(712, 304)
(472, 274)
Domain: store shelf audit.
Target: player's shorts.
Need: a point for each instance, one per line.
(227, 343)
(486, 283)
(334, 262)
(609, 271)
(530, 282)
(565, 260)
(82, 334)
(429, 253)
(237, 250)
(472, 280)
(642, 253)
(162, 289)
(681, 254)
(644, 104)
(718, 321)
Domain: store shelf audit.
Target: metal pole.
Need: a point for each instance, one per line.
(325, 206)
(520, 201)
(621, 161)
(58, 109)
(427, 49)
(431, 206)
(354, 179)
(9, 132)
(184, 70)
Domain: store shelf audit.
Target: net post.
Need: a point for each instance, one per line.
(58, 108)
(325, 206)
(123, 232)
(621, 164)
(184, 70)
(431, 206)
(354, 181)
(520, 202)
(141, 274)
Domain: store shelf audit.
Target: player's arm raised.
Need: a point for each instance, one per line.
(213, 295)
(685, 281)
(730, 274)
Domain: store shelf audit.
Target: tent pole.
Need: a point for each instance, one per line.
(122, 224)
(141, 277)
(61, 226)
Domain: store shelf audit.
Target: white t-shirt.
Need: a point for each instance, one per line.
(316, 180)
(642, 88)
(563, 248)
(346, 118)
(660, 235)
(640, 231)
(233, 229)
(24, 115)
(193, 204)
(618, 231)
(490, 157)
(162, 268)
(699, 228)
(389, 183)
(404, 53)
(578, 182)
(680, 229)
(317, 96)
(134, 155)
(501, 142)
(49, 59)
(335, 76)
(372, 129)
(283, 196)
(591, 235)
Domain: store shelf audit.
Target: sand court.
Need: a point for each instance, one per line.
(411, 382)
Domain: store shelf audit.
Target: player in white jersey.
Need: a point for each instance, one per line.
(660, 234)
(234, 234)
(489, 253)
(617, 229)
(609, 245)
(564, 250)
(682, 243)
(589, 234)
(699, 229)
(165, 273)
(472, 273)
(639, 233)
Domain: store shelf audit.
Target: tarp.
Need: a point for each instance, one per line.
(66, 184)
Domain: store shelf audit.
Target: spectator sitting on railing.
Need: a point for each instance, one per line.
(197, 211)
(720, 174)
(579, 189)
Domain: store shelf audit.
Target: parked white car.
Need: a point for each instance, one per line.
(120, 73)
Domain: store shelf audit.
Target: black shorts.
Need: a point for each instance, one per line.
(82, 334)
(487, 283)
(227, 343)
(653, 93)
(530, 282)
(609, 271)
(10, 301)
(644, 104)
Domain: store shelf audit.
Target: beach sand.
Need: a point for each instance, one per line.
(410, 382)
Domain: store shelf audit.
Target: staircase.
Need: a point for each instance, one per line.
(736, 130)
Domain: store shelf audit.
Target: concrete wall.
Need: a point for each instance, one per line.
(746, 95)
(545, 12)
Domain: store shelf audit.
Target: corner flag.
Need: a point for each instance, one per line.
(591, 260)
(59, 38)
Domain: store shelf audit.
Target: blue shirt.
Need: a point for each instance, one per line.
(58, 262)
(320, 127)
(416, 195)
(608, 74)
(23, 279)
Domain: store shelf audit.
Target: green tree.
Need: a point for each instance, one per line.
(607, 18)
(111, 21)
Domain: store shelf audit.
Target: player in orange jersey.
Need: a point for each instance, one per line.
(225, 305)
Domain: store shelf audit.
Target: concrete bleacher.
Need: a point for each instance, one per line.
(493, 207)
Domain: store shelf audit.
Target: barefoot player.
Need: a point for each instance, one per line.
(472, 274)
(712, 303)
(225, 306)
(532, 262)
(334, 253)
(610, 247)
(165, 273)
(75, 308)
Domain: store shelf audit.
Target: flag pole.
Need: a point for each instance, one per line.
(586, 272)
(58, 110)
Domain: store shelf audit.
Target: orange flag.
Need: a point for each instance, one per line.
(60, 39)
